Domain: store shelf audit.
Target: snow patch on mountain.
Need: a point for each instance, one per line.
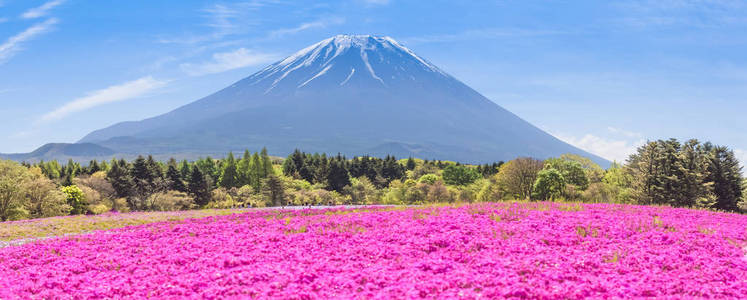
(352, 71)
(319, 59)
(317, 75)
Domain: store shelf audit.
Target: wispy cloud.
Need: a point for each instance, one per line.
(321, 23)
(42, 10)
(14, 43)
(226, 61)
(224, 20)
(3, 20)
(377, 2)
(692, 13)
(115, 93)
(624, 132)
(482, 34)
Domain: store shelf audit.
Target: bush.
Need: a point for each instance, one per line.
(459, 175)
(549, 185)
(76, 199)
(170, 201)
(221, 198)
(429, 178)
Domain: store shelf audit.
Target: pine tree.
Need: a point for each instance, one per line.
(93, 167)
(410, 164)
(185, 169)
(692, 174)
(337, 176)
(198, 187)
(726, 175)
(228, 178)
(140, 170)
(155, 169)
(243, 169)
(174, 177)
(266, 163)
(120, 179)
(273, 190)
(256, 171)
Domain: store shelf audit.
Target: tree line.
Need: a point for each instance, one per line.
(664, 172)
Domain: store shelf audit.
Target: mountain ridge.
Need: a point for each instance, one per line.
(353, 94)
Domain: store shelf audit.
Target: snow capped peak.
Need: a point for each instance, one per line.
(381, 58)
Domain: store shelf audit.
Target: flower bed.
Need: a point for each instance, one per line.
(536, 250)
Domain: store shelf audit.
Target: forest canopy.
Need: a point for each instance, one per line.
(664, 172)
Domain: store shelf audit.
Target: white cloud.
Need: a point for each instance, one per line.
(321, 23)
(613, 150)
(624, 132)
(13, 44)
(742, 157)
(3, 20)
(42, 10)
(226, 61)
(115, 93)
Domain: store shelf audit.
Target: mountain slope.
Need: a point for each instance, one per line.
(351, 94)
(61, 151)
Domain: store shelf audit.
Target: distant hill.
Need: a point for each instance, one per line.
(61, 151)
(354, 94)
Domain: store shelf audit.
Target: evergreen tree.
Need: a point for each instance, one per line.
(726, 175)
(321, 164)
(266, 163)
(93, 167)
(228, 178)
(273, 190)
(646, 169)
(174, 177)
(337, 177)
(185, 169)
(692, 174)
(199, 188)
(140, 170)
(256, 171)
(243, 169)
(120, 179)
(155, 169)
(410, 164)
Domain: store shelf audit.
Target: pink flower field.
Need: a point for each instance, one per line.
(502, 250)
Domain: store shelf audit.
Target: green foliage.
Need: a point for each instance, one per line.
(517, 177)
(337, 176)
(549, 185)
(667, 172)
(75, 199)
(459, 175)
(273, 191)
(229, 176)
(175, 178)
(429, 178)
(170, 201)
(199, 188)
(12, 201)
(362, 192)
(573, 172)
(410, 165)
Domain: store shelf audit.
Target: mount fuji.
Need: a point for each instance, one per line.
(353, 94)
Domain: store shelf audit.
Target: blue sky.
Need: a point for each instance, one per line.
(602, 75)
